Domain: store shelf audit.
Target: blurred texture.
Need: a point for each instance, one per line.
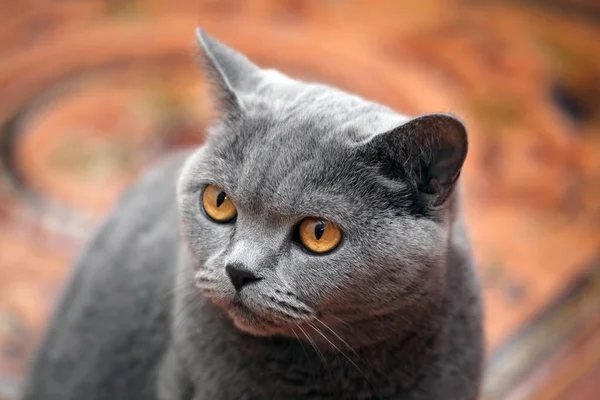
(93, 91)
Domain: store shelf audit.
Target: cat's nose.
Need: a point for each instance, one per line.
(240, 276)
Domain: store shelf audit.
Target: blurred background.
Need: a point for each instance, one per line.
(93, 91)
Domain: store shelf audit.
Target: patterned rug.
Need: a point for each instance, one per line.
(93, 92)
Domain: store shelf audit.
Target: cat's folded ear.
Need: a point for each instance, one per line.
(428, 152)
(229, 72)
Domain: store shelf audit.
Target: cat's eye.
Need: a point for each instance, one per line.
(319, 236)
(217, 205)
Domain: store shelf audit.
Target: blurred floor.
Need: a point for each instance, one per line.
(91, 92)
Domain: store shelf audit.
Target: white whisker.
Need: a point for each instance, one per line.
(340, 339)
(300, 342)
(314, 345)
(338, 349)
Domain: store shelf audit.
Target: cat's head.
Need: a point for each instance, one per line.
(308, 204)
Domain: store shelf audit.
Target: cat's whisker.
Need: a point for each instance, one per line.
(339, 338)
(314, 345)
(192, 305)
(295, 305)
(281, 315)
(340, 320)
(300, 342)
(203, 285)
(338, 349)
(185, 301)
(186, 281)
(205, 279)
(175, 289)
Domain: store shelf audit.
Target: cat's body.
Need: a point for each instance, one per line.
(392, 313)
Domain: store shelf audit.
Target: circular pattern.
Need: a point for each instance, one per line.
(84, 140)
(83, 147)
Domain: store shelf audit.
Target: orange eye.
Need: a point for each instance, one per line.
(217, 205)
(319, 236)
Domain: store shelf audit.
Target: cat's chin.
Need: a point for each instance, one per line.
(247, 321)
(254, 329)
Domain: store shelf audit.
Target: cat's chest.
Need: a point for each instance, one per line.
(270, 379)
(222, 363)
(225, 370)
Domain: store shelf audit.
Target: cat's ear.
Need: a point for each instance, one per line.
(427, 151)
(230, 72)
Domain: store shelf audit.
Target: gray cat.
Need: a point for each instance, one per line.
(313, 248)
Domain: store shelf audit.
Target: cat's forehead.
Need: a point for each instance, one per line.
(284, 164)
(328, 109)
(289, 115)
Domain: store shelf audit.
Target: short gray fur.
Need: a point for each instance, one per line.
(393, 313)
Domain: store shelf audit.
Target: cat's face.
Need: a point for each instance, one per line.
(310, 206)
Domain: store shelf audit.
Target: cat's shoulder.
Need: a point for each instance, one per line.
(114, 308)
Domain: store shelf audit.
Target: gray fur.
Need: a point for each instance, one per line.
(393, 313)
